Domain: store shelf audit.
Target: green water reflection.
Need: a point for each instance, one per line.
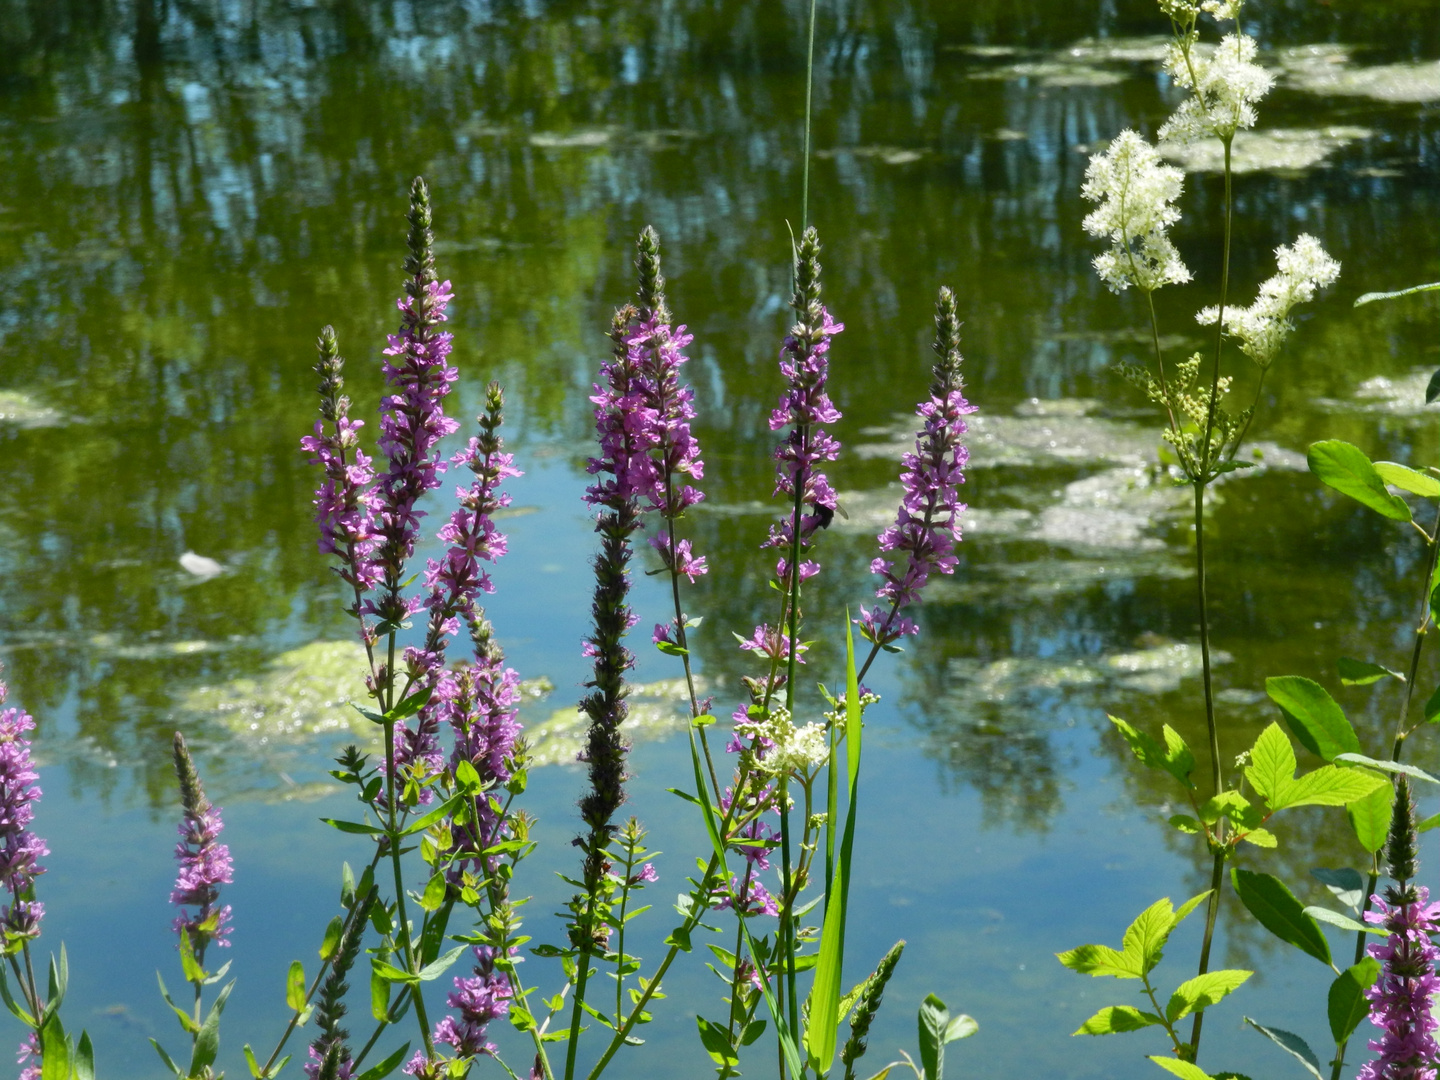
(190, 189)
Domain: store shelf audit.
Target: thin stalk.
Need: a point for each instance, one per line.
(809, 90)
(394, 843)
(582, 976)
(1212, 907)
(787, 929)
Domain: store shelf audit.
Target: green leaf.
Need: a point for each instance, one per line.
(1101, 960)
(194, 973)
(434, 894)
(391, 973)
(1347, 1002)
(1371, 297)
(295, 987)
(54, 1050)
(1275, 908)
(934, 1018)
(445, 809)
(825, 992)
(1431, 822)
(1344, 922)
(716, 1042)
(1174, 757)
(379, 996)
(1362, 672)
(169, 1062)
(207, 1043)
(85, 1058)
(1348, 885)
(1346, 469)
(354, 827)
(1146, 936)
(1370, 818)
(1199, 993)
(960, 1027)
(1432, 707)
(410, 705)
(1185, 823)
(1262, 838)
(254, 1066)
(1313, 715)
(1387, 766)
(1272, 773)
(1115, 1019)
(1184, 1069)
(439, 966)
(1407, 479)
(1292, 1044)
(331, 942)
(669, 648)
(386, 1067)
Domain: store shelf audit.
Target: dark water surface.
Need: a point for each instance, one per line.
(191, 189)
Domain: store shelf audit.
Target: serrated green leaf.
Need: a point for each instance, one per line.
(1199, 993)
(1313, 715)
(1184, 1069)
(1102, 960)
(1116, 1019)
(1292, 1044)
(1146, 936)
(1272, 773)
(1276, 908)
(1262, 838)
(1347, 1004)
(1362, 672)
(295, 987)
(1346, 469)
(1272, 762)
(1174, 757)
(1370, 817)
(1185, 823)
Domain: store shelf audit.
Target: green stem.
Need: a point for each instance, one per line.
(582, 976)
(809, 90)
(393, 840)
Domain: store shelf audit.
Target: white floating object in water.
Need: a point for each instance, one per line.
(202, 567)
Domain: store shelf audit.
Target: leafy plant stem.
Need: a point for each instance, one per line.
(393, 842)
(1159, 354)
(582, 976)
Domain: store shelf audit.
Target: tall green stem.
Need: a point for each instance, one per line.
(809, 91)
(1212, 907)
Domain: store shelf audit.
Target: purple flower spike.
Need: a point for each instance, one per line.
(477, 1001)
(29, 1056)
(1400, 998)
(20, 849)
(204, 863)
(804, 406)
(926, 527)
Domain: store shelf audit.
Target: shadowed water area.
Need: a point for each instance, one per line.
(191, 189)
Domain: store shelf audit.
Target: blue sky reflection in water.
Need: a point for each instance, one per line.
(190, 190)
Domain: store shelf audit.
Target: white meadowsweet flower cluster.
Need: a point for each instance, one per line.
(1224, 88)
(1262, 327)
(1222, 10)
(1136, 194)
(801, 750)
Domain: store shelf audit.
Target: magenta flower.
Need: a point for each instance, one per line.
(204, 863)
(20, 849)
(29, 1056)
(926, 526)
(1400, 999)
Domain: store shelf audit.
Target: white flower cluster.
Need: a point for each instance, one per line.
(797, 750)
(1262, 327)
(1136, 194)
(1222, 10)
(1224, 88)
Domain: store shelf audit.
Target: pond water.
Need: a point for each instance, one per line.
(191, 188)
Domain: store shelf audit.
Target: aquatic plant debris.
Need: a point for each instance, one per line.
(1273, 150)
(1328, 70)
(22, 409)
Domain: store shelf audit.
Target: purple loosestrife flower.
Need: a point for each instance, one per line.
(477, 1001)
(344, 503)
(804, 406)
(20, 849)
(329, 1054)
(926, 528)
(204, 863)
(1401, 998)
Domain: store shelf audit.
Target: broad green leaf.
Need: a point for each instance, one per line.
(1348, 885)
(85, 1058)
(439, 966)
(1146, 936)
(1387, 766)
(1272, 773)
(54, 1050)
(1347, 1002)
(1115, 1019)
(1184, 1069)
(194, 973)
(1199, 993)
(1262, 838)
(1346, 469)
(411, 705)
(1370, 818)
(716, 1042)
(1362, 672)
(434, 894)
(1275, 908)
(1272, 762)
(1313, 715)
(1185, 823)
(1174, 757)
(1371, 297)
(1292, 1044)
(1344, 922)
(295, 987)
(1406, 478)
(444, 810)
(934, 1018)
(379, 996)
(207, 1043)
